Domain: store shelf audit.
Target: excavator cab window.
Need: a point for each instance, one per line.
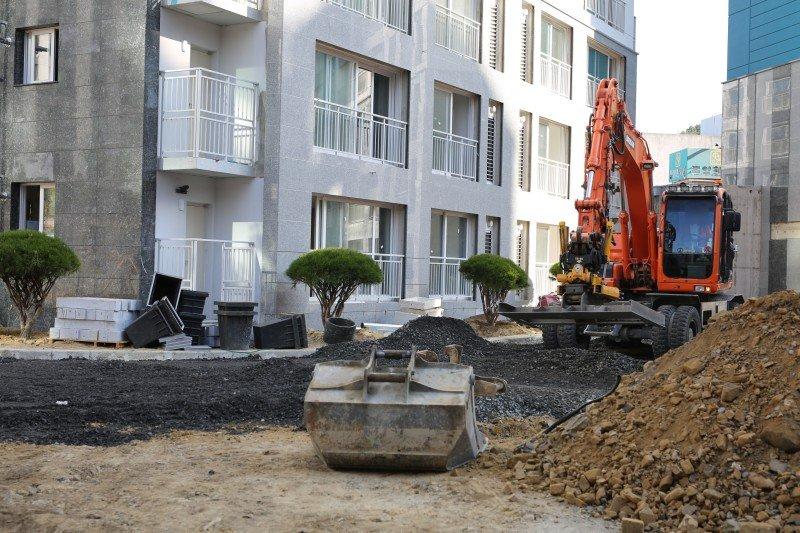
(689, 237)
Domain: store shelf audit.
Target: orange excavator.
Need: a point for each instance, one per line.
(628, 273)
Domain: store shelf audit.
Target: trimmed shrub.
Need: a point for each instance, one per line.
(333, 275)
(495, 276)
(556, 269)
(30, 264)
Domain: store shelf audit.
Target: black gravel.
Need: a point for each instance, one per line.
(114, 402)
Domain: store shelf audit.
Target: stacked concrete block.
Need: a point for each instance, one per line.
(94, 319)
(411, 308)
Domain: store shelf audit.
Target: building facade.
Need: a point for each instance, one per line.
(761, 128)
(220, 140)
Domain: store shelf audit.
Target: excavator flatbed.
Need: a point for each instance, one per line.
(628, 312)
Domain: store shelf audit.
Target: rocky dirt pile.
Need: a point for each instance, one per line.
(706, 436)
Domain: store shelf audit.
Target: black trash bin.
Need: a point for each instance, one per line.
(235, 324)
(339, 330)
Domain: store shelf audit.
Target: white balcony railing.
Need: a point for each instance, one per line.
(458, 33)
(591, 90)
(207, 114)
(556, 75)
(392, 285)
(351, 131)
(553, 177)
(455, 155)
(393, 13)
(446, 280)
(542, 283)
(611, 11)
(225, 269)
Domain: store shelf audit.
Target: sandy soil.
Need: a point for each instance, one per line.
(315, 337)
(501, 328)
(266, 480)
(10, 339)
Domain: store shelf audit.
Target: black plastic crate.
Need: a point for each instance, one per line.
(192, 302)
(286, 333)
(165, 286)
(157, 321)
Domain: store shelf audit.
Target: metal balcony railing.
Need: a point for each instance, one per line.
(556, 75)
(393, 13)
(455, 155)
(210, 265)
(392, 286)
(591, 90)
(207, 114)
(351, 131)
(458, 33)
(611, 11)
(446, 280)
(542, 283)
(553, 177)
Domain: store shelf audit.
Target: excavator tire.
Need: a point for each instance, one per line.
(660, 335)
(549, 336)
(685, 325)
(568, 337)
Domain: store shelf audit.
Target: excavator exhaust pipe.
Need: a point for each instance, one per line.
(416, 417)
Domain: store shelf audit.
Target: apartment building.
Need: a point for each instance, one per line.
(220, 139)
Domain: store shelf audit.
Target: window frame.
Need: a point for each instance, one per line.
(23, 200)
(568, 36)
(28, 65)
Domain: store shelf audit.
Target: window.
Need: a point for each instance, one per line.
(775, 141)
(778, 95)
(37, 207)
(524, 152)
(40, 55)
(556, 50)
(496, 33)
(689, 237)
(556, 41)
(554, 145)
(450, 245)
(547, 252)
(526, 38)
(354, 110)
(458, 28)
(494, 143)
(603, 65)
(455, 144)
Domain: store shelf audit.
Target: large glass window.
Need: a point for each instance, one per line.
(40, 55)
(360, 227)
(689, 237)
(554, 142)
(599, 64)
(453, 113)
(38, 207)
(555, 41)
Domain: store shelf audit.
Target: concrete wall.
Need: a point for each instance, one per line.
(84, 133)
(664, 144)
(295, 170)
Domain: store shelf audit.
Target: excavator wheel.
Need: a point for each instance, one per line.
(660, 335)
(685, 325)
(549, 336)
(568, 337)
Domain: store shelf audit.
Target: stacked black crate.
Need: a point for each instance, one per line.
(190, 309)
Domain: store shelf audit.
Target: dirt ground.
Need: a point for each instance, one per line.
(501, 328)
(265, 480)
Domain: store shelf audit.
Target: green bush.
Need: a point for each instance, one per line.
(555, 270)
(30, 264)
(495, 276)
(334, 274)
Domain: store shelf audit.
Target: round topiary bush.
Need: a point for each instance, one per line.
(333, 275)
(495, 276)
(30, 264)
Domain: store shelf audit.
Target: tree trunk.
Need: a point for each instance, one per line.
(25, 325)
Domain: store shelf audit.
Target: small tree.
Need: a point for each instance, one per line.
(495, 276)
(334, 274)
(555, 270)
(30, 264)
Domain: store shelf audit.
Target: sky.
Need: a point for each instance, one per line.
(682, 47)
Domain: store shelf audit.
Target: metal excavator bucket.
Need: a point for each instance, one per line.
(420, 416)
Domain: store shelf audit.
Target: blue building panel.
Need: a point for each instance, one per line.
(762, 34)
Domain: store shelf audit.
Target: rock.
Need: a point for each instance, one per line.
(647, 515)
(689, 523)
(761, 482)
(557, 489)
(756, 527)
(631, 496)
(675, 494)
(779, 467)
(693, 366)
(796, 494)
(745, 438)
(712, 494)
(576, 423)
(730, 392)
(592, 475)
(519, 470)
(686, 467)
(632, 525)
(666, 481)
(782, 433)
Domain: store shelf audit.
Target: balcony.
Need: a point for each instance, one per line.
(446, 280)
(556, 75)
(392, 286)
(393, 13)
(220, 12)
(366, 135)
(458, 33)
(455, 155)
(542, 282)
(227, 270)
(610, 11)
(207, 123)
(553, 177)
(591, 90)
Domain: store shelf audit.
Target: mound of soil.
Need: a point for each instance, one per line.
(501, 328)
(706, 436)
(114, 402)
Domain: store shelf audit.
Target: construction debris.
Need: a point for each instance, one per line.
(93, 319)
(705, 437)
(181, 341)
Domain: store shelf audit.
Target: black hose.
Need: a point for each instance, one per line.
(566, 417)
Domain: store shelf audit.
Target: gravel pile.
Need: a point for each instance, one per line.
(114, 402)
